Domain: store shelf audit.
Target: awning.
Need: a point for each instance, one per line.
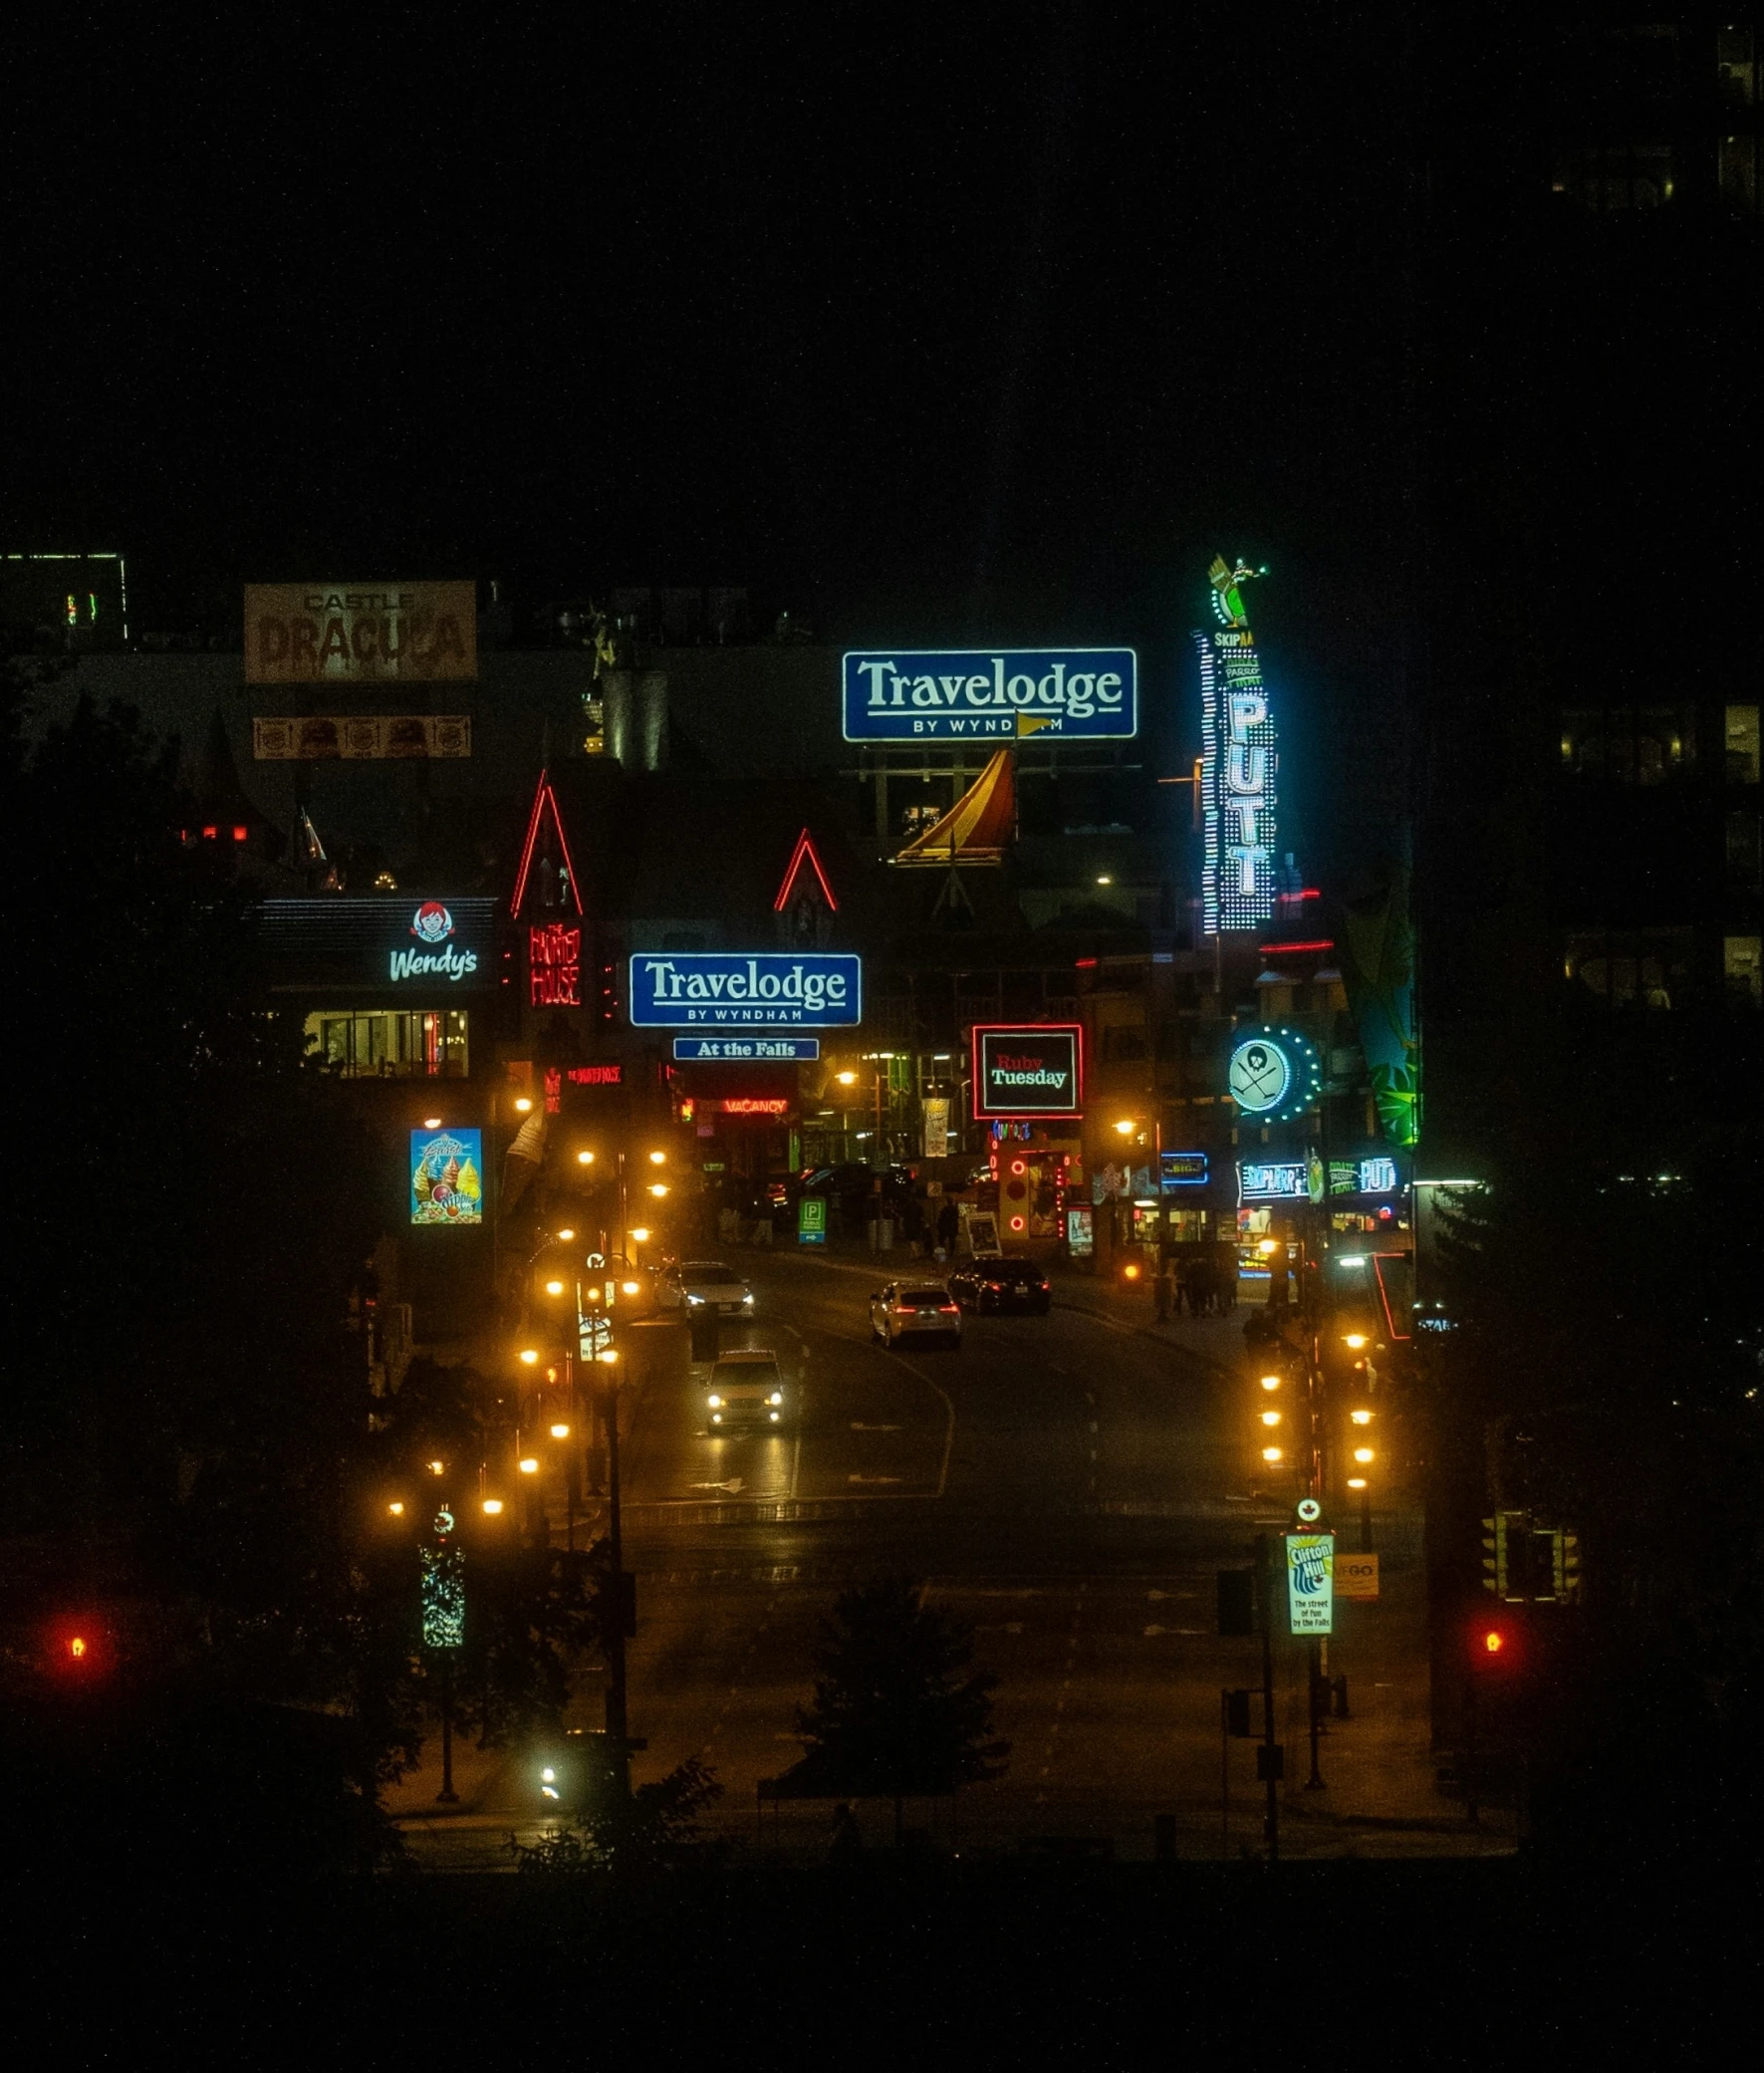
(977, 827)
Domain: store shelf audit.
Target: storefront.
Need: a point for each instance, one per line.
(387, 988)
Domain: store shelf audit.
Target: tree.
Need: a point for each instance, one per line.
(898, 1712)
(653, 1829)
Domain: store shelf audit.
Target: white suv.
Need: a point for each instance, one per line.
(915, 1310)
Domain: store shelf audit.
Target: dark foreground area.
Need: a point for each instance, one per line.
(995, 1961)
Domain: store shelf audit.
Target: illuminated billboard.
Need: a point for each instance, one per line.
(345, 634)
(360, 737)
(446, 1177)
(680, 990)
(1028, 1072)
(981, 695)
(1239, 765)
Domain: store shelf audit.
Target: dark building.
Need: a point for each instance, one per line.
(1590, 331)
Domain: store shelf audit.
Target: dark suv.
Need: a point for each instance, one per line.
(1002, 1284)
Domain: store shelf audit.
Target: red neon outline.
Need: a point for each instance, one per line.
(1307, 893)
(1377, 1274)
(980, 1029)
(1271, 950)
(805, 845)
(544, 793)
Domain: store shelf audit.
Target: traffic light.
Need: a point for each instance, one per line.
(1496, 1644)
(1494, 1555)
(78, 1651)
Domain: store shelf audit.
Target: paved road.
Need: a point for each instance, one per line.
(1068, 1483)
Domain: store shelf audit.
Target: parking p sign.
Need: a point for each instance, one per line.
(811, 1220)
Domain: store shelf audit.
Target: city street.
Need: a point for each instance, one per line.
(1071, 1484)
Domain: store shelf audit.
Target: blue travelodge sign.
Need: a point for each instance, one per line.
(717, 989)
(991, 693)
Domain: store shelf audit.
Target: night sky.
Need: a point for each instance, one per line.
(968, 323)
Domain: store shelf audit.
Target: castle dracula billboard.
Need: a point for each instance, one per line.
(341, 634)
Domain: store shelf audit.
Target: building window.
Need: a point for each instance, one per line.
(1622, 179)
(1645, 968)
(1743, 859)
(1743, 970)
(393, 1044)
(1629, 744)
(1742, 745)
(1736, 71)
(1736, 174)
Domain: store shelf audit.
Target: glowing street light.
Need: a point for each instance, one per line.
(554, 1288)
(431, 1122)
(560, 1432)
(1354, 1340)
(1270, 1417)
(658, 1158)
(1361, 1418)
(529, 1356)
(845, 1079)
(493, 1506)
(659, 1188)
(642, 1234)
(522, 1104)
(437, 1467)
(1270, 1382)
(584, 1159)
(1271, 1454)
(397, 1509)
(1362, 1454)
(529, 1464)
(1125, 1127)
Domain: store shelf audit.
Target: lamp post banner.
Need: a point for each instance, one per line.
(989, 693)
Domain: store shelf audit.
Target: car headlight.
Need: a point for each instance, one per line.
(777, 1397)
(774, 1418)
(715, 1402)
(716, 1418)
(748, 1296)
(694, 1299)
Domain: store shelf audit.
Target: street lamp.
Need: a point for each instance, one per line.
(584, 1159)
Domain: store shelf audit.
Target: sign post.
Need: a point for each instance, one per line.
(811, 1220)
(1309, 1603)
(986, 694)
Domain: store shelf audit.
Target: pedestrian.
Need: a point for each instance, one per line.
(848, 1840)
(948, 1223)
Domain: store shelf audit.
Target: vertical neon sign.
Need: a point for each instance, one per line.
(1239, 764)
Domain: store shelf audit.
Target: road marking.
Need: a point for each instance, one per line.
(858, 1425)
(732, 1485)
(872, 1479)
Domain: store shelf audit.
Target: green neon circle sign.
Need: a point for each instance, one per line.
(1273, 1074)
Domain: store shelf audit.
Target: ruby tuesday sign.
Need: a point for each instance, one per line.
(1024, 1072)
(716, 989)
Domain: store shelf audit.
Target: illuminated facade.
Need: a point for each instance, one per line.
(1239, 765)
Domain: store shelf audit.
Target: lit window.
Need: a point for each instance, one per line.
(1743, 970)
(1742, 745)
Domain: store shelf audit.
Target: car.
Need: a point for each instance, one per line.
(703, 1284)
(915, 1310)
(747, 1388)
(1010, 1283)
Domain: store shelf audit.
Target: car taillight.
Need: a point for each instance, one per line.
(948, 1310)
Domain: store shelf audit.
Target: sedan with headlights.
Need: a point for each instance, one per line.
(703, 1284)
(746, 1389)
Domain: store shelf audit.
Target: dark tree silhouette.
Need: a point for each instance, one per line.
(899, 1713)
